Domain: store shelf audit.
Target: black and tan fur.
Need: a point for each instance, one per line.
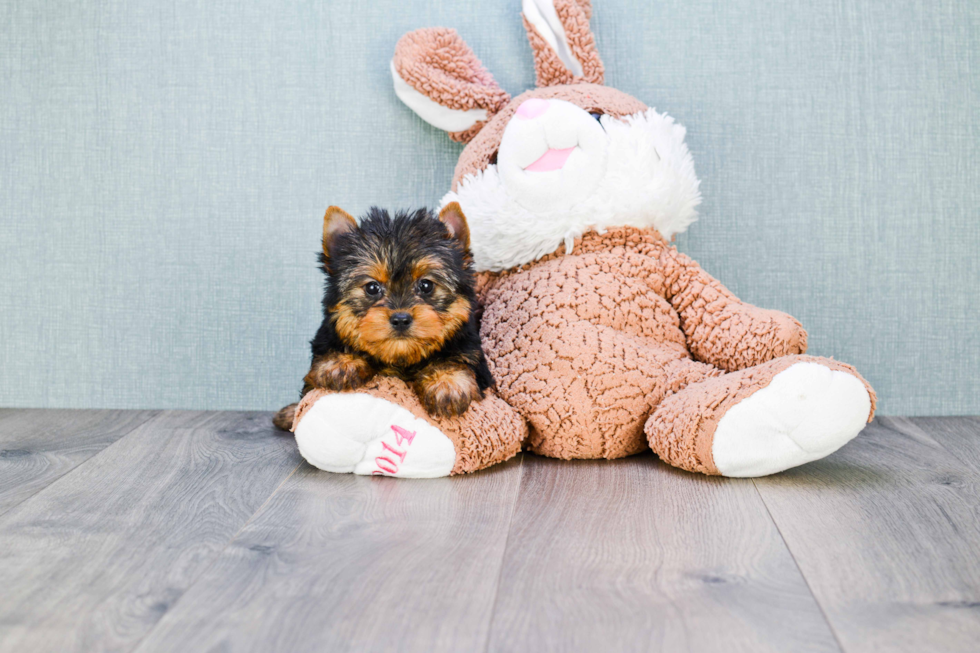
(411, 268)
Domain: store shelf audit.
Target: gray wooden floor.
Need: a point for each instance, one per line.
(199, 531)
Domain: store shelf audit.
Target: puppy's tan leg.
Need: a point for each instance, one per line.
(447, 389)
(338, 371)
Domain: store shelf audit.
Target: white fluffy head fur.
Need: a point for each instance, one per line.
(635, 171)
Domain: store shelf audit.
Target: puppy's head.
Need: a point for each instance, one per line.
(398, 287)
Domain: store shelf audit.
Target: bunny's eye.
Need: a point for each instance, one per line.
(597, 116)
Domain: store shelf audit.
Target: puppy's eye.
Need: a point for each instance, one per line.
(426, 286)
(373, 289)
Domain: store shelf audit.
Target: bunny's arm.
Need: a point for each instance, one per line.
(721, 329)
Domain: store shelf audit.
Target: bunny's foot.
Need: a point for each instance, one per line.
(383, 430)
(764, 419)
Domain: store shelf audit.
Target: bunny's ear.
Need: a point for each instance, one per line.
(563, 45)
(437, 75)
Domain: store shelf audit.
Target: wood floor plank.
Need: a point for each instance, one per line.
(93, 561)
(887, 534)
(958, 435)
(632, 555)
(336, 562)
(37, 447)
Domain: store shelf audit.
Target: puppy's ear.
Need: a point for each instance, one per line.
(452, 216)
(336, 222)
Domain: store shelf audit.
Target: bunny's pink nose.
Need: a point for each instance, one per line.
(532, 108)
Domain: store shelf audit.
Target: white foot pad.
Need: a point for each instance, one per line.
(359, 433)
(807, 411)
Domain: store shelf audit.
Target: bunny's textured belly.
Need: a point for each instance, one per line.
(584, 351)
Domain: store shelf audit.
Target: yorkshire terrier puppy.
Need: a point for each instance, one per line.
(399, 301)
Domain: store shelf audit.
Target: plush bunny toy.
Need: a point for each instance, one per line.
(602, 338)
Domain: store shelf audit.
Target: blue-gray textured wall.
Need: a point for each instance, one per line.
(164, 167)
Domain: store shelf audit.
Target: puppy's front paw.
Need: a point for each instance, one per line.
(448, 391)
(339, 372)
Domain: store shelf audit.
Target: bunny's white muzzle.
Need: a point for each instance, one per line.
(552, 155)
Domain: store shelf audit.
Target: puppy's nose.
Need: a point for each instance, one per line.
(532, 108)
(400, 320)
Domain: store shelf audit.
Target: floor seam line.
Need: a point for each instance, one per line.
(84, 462)
(796, 563)
(500, 571)
(214, 561)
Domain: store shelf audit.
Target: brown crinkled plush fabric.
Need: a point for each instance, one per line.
(586, 345)
(467, 135)
(437, 63)
(717, 327)
(548, 67)
(591, 97)
(489, 432)
(682, 428)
